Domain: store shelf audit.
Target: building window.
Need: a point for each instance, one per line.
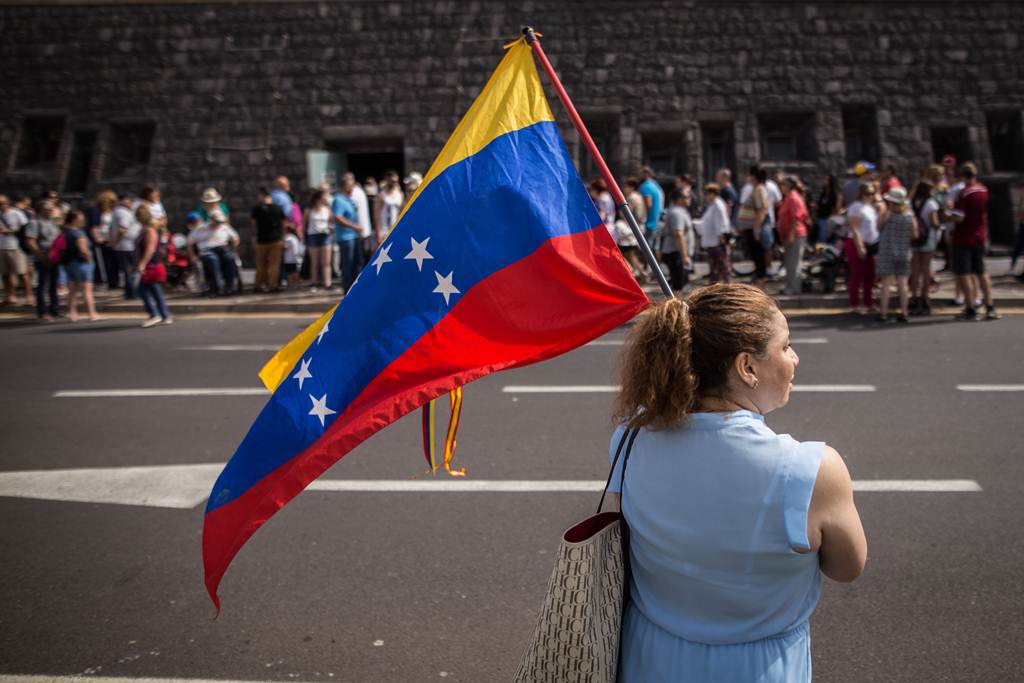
(860, 133)
(787, 136)
(1006, 140)
(77, 179)
(40, 141)
(719, 148)
(665, 153)
(129, 148)
(604, 129)
(953, 140)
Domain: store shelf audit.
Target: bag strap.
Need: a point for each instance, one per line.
(615, 461)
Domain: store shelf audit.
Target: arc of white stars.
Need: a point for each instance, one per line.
(383, 257)
(419, 252)
(303, 374)
(320, 408)
(445, 287)
(325, 330)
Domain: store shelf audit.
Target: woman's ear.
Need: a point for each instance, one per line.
(744, 367)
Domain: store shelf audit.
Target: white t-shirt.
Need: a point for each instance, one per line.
(358, 198)
(929, 208)
(319, 221)
(292, 247)
(208, 237)
(391, 206)
(713, 224)
(15, 219)
(123, 217)
(868, 228)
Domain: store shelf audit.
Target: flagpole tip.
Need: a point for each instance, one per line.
(529, 34)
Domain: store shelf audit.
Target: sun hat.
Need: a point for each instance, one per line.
(413, 179)
(211, 196)
(862, 167)
(896, 195)
(193, 216)
(949, 160)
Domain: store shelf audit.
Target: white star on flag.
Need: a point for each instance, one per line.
(382, 258)
(303, 374)
(320, 408)
(327, 326)
(445, 286)
(419, 252)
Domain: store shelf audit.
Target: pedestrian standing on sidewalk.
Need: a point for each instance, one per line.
(830, 203)
(151, 253)
(387, 204)
(731, 525)
(860, 246)
(654, 203)
(78, 264)
(40, 234)
(13, 261)
(926, 205)
(268, 220)
(970, 236)
(346, 233)
(897, 228)
(714, 230)
(753, 223)
(319, 236)
(98, 221)
(124, 230)
(793, 219)
(291, 255)
(674, 251)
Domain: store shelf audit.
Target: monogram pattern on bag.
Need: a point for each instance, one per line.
(577, 635)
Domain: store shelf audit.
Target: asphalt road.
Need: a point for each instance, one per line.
(422, 586)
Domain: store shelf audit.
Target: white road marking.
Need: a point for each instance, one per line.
(186, 486)
(918, 485)
(231, 347)
(808, 340)
(18, 678)
(125, 393)
(606, 342)
(612, 388)
(990, 387)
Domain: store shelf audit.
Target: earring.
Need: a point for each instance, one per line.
(755, 384)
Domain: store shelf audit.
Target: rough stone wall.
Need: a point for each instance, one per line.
(239, 92)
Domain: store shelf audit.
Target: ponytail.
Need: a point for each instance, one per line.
(681, 351)
(659, 386)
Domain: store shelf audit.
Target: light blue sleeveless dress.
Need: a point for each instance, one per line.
(718, 594)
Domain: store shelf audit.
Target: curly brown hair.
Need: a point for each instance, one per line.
(681, 350)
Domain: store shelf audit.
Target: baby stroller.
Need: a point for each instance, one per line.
(178, 265)
(828, 263)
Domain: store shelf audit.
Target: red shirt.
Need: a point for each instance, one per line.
(792, 209)
(972, 231)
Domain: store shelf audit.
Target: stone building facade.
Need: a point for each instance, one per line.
(190, 94)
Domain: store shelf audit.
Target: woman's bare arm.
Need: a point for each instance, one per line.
(833, 521)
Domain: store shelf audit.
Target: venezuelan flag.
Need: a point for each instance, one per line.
(499, 260)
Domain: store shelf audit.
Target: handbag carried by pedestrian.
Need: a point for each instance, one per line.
(577, 633)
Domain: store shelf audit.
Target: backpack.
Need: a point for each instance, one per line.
(58, 251)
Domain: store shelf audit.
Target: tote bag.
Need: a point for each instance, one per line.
(577, 633)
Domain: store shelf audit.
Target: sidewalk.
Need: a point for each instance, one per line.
(1008, 292)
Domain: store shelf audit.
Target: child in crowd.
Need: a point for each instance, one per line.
(292, 255)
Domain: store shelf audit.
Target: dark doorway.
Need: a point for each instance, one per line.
(719, 148)
(604, 130)
(860, 133)
(953, 140)
(371, 157)
(1006, 140)
(665, 153)
(77, 179)
(1001, 228)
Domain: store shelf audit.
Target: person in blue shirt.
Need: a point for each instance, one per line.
(731, 525)
(654, 198)
(346, 233)
(281, 195)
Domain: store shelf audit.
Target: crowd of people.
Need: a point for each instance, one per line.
(125, 243)
(887, 234)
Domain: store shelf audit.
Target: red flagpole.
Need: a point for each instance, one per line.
(588, 142)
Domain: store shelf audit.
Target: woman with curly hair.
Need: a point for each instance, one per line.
(730, 524)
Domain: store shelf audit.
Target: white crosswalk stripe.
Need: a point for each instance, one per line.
(990, 387)
(612, 388)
